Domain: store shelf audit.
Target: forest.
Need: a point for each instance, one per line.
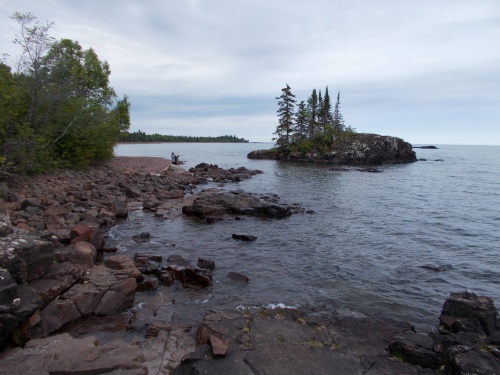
(140, 136)
(57, 109)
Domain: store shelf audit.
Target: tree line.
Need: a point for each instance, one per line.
(140, 136)
(309, 124)
(57, 109)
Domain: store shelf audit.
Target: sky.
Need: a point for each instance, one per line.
(427, 71)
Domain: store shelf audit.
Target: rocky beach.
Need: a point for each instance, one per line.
(69, 301)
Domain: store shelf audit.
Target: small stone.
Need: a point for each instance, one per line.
(244, 237)
(219, 346)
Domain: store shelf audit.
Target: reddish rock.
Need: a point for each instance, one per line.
(219, 346)
(148, 283)
(123, 263)
(57, 314)
(83, 232)
(80, 253)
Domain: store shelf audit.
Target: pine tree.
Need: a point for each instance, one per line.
(338, 119)
(326, 111)
(286, 114)
(301, 122)
(312, 108)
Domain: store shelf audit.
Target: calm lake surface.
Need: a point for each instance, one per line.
(395, 243)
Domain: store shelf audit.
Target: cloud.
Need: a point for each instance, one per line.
(216, 66)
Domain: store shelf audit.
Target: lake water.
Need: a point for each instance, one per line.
(395, 243)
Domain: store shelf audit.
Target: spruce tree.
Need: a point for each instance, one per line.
(326, 111)
(312, 108)
(338, 119)
(286, 114)
(301, 122)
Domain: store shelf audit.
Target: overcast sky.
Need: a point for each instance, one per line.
(427, 71)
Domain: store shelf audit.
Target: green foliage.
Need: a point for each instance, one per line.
(139, 136)
(286, 114)
(57, 110)
(313, 127)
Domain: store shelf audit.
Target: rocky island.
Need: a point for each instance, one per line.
(352, 149)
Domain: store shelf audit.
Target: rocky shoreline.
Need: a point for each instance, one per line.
(70, 304)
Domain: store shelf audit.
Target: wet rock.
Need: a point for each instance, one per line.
(166, 277)
(195, 278)
(244, 237)
(206, 263)
(148, 283)
(238, 203)
(177, 260)
(154, 329)
(237, 276)
(147, 262)
(282, 341)
(124, 264)
(142, 236)
(415, 349)
(87, 233)
(463, 359)
(82, 254)
(151, 203)
(467, 311)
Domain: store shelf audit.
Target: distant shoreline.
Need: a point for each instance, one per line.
(125, 143)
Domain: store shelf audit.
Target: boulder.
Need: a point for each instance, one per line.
(8, 292)
(104, 291)
(27, 257)
(147, 262)
(206, 263)
(81, 253)
(87, 233)
(239, 203)
(124, 264)
(148, 283)
(57, 314)
(467, 311)
(463, 359)
(415, 349)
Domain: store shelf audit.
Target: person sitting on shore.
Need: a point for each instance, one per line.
(174, 158)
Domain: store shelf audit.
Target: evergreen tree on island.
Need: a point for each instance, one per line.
(312, 125)
(286, 114)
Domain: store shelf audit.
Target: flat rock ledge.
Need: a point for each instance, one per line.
(323, 341)
(234, 203)
(355, 149)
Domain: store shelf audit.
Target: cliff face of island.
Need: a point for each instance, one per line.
(359, 148)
